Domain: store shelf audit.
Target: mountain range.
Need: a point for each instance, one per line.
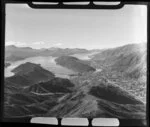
(118, 90)
(13, 53)
(129, 59)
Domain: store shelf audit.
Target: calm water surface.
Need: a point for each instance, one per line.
(47, 63)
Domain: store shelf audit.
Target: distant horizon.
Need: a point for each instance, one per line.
(74, 47)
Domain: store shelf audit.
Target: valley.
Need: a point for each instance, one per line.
(105, 83)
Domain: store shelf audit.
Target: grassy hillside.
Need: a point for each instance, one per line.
(129, 59)
(55, 85)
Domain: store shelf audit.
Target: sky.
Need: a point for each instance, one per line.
(89, 29)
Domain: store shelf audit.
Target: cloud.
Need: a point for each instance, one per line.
(36, 45)
(9, 43)
(23, 44)
(39, 43)
(58, 44)
(15, 43)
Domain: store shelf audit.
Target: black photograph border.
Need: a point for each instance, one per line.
(25, 120)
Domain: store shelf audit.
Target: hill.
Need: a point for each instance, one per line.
(74, 64)
(33, 91)
(129, 59)
(12, 58)
(55, 85)
(36, 99)
(98, 99)
(7, 64)
(29, 73)
(62, 98)
(13, 53)
(126, 66)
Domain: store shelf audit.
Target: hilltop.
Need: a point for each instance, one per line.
(74, 64)
(29, 73)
